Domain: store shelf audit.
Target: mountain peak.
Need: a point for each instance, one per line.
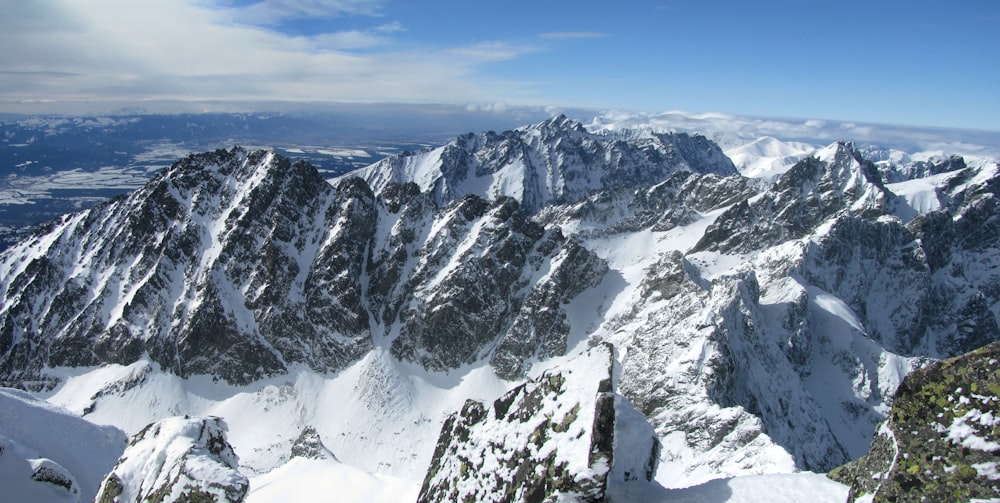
(193, 266)
(559, 123)
(811, 191)
(554, 162)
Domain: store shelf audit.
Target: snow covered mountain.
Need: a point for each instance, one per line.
(239, 264)
(759, 327)
(554, 162)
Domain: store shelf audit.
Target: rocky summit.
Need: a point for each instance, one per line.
(555, 162)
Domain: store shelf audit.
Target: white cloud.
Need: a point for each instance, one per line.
(353, 39)
(734, 130)
(357, 39)
(493, 51)
(392, 27)
(66, 50)
(267, 12)
(498, 107)
(560, 35)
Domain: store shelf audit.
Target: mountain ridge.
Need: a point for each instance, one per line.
(761, 328)
(554, 162)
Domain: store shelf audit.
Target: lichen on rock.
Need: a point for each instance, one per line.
(941, 441)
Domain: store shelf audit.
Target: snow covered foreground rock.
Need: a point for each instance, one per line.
(566, 435)
(177, 459)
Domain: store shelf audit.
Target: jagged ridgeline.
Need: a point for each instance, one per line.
(238, 263)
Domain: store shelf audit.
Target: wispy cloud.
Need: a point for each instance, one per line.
(196, 50)
(392, 27)
(562, 35)
(267, 12)
(345, 40)
(494, 51)
(357, 39)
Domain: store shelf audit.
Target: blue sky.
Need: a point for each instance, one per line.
(916, 62)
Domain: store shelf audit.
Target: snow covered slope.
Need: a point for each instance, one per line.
(378, 415)
(324, 479)
(767, 157)
(48, 453)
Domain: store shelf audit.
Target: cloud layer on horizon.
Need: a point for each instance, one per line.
(733, 130)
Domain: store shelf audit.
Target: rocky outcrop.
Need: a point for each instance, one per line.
(898, 170)
(714, 343)
(839, 315)
(540, 329)
(309, 445)
(563, 435)
(676, 201)
(941, 441)
(231, 263)
(479, 280)
(923, 288)
(177, 459)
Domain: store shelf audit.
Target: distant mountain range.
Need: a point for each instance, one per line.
(752, 324)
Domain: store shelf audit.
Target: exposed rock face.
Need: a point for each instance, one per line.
(564, 435)
(912, 285)
(941, 441)
(223, 264)
(469, 282)
(237, 264)
(693, 343)
(904, 169)
(675, 201)
(309, 445)
(809, 193)
(177, 459)
(540, 328)
(837, 317)
(555, 162)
